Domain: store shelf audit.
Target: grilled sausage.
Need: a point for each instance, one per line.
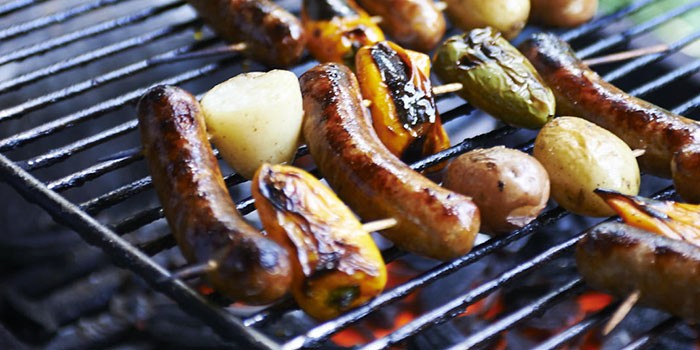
(621, 259)
(432, 221)
(581, 92)
(197, 205)
(273, 36)
(415, 24)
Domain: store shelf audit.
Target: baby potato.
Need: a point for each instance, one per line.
(510, 187)
(506, 16)
(580, 157)
(255, 118)
(563, 13)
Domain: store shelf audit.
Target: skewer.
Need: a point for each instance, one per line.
(200, 269)
(379, 225)
(638, 152)
(621, 312)
(626, 55)
(216, 51)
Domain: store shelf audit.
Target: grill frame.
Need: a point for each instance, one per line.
(242, 332)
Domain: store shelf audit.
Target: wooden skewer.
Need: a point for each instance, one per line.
(638, 152)
(441, 6)
(379, 225)
(216, 51)
(197, 270)
(621, 312)
(626, 55)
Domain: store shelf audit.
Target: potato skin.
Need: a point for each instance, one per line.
(510, 187)
(507, 16)
(563, 13)
(580, 157)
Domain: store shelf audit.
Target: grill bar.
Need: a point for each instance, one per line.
(455, 307)
(604, 21)
(92, 172)
(93, 231)
(648, 59)
(126, 255)
(677, 73)
(16, 5)
(83, 33)
(24, 28)
(650, 337)
(636, 30)
(103, 107)
(92, 56)
(578, 329)
(78, 88)
(536, 307)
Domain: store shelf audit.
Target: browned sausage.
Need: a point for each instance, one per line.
(432, 221)
(415, 24)
(620, 259)
(274, 36)
(581, 92)
(197, 205)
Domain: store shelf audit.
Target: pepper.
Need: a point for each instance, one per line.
(404, 114)
(496, 77)
(336, 266)
(337, 29)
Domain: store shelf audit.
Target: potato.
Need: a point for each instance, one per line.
(580, 157)
(506, 16)
(510, 187)
(563, 13)
(255, 118)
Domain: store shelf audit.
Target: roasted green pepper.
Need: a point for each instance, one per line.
(404, 115)
(497, 78)
(337, 29)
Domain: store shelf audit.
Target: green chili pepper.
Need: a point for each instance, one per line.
(496, 77)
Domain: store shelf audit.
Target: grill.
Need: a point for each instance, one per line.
(71, 72)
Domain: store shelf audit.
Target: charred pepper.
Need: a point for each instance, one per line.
(337, 29)
(336, 266)
(404, 114)
(496, 77)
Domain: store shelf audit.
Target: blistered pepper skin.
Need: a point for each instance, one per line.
(497, 78)
(337, 29)
(404, 114)
(335, 263)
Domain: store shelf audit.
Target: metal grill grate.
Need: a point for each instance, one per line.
(93, 203)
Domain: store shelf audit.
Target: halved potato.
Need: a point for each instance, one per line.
(255, 118)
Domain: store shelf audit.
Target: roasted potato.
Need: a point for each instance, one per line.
(510, 187)
(254, 118)
(507, 16)
(563, 13)
(581, 157)
(336, 265)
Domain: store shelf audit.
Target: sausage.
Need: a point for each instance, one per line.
(620, 259)
(432, 221)
(666, 137)
(415, 24)
(197, 205)
(273, 36)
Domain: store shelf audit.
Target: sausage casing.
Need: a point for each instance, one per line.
(273, 36)
(415, 24)
(432, 221)
(197, 205)
(620, 259)
(581, 92)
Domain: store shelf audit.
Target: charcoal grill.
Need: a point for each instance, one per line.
(71, 72)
